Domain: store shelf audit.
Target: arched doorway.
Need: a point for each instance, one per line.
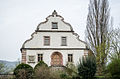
(56, 59)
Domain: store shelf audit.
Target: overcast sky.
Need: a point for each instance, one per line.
(19, 19)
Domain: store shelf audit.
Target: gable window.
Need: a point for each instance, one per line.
(46, 40)
(40, 57)
(70, 57)
(54, 25)
(64, 41)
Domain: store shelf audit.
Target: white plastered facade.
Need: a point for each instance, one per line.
(35, 45)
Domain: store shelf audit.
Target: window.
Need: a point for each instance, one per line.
(46, 40)
(70, 57)
(40, 57)
(31, 58)
(54, 25)
(64, 41)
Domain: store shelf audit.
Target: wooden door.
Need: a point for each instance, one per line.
(56, 59)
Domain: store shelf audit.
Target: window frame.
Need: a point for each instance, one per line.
(45, 44)
(39, 57)
(56, 23)
(62, 41)
(70, 57)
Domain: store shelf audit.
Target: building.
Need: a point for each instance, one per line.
(53, 42)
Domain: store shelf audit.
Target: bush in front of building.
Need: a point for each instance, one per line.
(114, 68)
(41, 71)
(87, 67)
(23, 71)
(71, 68)
(40, 64)
(64, 76)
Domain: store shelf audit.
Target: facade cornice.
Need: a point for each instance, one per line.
(54, 49)
(52, 31)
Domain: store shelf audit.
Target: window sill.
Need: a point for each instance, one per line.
(46, 45)
(54, 28)
(63, 45)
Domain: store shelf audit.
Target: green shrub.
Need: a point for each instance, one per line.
(41, 71)
(114, 68)
(2, 68)
(87, 67)
(23, 71)
(57, 75)
(41, 63)
(63, 76)
(72, 67)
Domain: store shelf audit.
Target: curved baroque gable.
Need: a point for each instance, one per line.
(62, 25)
(45, 26)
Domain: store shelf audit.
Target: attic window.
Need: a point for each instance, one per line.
(54, 25)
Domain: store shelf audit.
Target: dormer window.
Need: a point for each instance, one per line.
(54, 25)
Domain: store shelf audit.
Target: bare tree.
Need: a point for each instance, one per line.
(97, 28)
(115, 44)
